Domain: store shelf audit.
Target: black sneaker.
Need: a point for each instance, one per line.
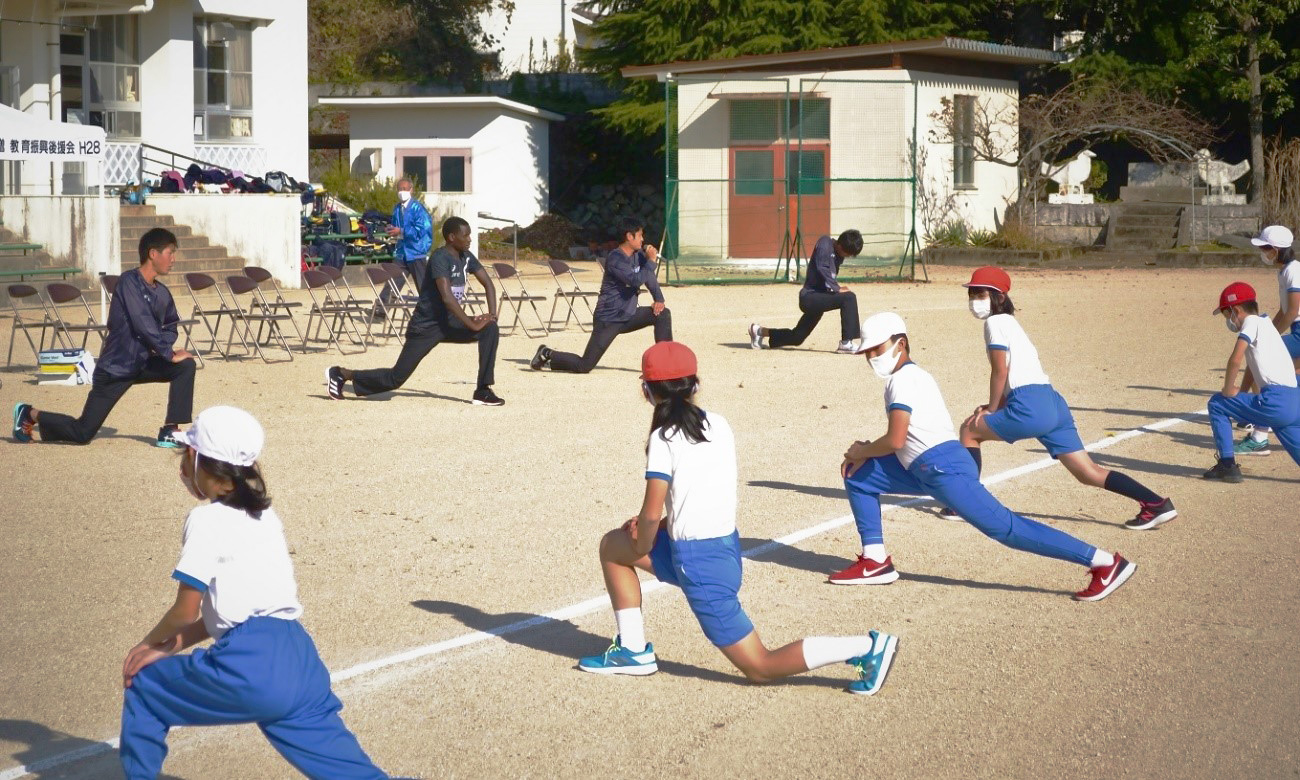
(1224, 472)
(540, 358)
(486, 397)
(1152, 515)
(334, 382)
(949, 513)
(168, 437)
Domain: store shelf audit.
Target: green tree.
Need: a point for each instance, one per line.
(639, 32)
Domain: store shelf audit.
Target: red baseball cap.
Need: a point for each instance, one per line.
(667, 360)
(1234, 294)
(992, 277)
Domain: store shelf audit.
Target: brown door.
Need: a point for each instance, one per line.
(757, 208)
(807, 180)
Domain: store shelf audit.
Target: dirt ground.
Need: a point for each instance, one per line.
(417, 520)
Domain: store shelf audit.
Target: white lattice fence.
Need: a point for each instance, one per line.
(121, 164)
(249, 159)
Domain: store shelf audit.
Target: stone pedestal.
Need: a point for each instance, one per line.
(1225, 199)
(1073, 199)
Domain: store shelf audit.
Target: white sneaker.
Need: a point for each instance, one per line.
(755, 336)
(846, 348)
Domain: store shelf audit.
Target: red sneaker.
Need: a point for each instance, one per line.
(1105, 579)
(866, 572)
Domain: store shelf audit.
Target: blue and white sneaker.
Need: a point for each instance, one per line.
(619, 660)
(874, 666)
(23, 422)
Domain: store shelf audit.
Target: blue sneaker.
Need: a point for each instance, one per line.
(874, 666)
(22, 422)
(167, 437)
(1250, 446)
(619, 660)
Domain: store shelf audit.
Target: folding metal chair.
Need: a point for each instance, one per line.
(328, 312)
(109, 283)
(260, 312)
(516, 300)
(61, 295)
(197, 283)
(280, 304)
(381, 279)
(361, 310)
(559, 269)
(28, 316)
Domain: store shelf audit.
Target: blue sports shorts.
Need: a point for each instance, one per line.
(708, 572)
(1037, 412)
(1292, 340)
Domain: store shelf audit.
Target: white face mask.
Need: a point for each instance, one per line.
(192, 483)
(981, 308)
(1232, 326)
(884, 365)
(404, 195)
(1265, 259)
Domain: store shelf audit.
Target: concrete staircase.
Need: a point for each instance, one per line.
(196, 253)
(1143, 226)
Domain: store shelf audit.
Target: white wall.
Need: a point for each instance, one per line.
(534, 21)
(264, 229)
(167, 76)
(509, 155)
(280, 86)
(871, 131)
(77, 231)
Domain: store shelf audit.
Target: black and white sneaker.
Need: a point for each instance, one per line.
(485, 397)
(334, 382)
(169, 437)
(540, 358)
(1152, 515)
(1224, 472)
(755, 336)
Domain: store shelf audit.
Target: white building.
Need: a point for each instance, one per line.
(776, 149)
(467, 153)
(219, 81)
(537, 31)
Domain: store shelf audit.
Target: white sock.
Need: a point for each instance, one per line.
(1259, 434)
(631, 629)
(875, 552)
(823, 650)
(1101, 558)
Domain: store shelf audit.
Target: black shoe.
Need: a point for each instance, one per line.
(334, 382)
(949, 513)
(167, 437)
(1224, 472)
(485, 397)
(1152, 515)
(540, 358)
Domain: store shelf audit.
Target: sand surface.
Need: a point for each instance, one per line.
(417, 519)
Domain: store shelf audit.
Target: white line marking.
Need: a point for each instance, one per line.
(598, 602)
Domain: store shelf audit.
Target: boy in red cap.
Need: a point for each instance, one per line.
(686, 536)
(1024, 405)
(1277, 404)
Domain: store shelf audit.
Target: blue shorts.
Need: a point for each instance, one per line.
(708, 572)
(1292, 340)
(1037, 412)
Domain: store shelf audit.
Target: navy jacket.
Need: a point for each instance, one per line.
(141, 323)
(623, 279)
(822, 268)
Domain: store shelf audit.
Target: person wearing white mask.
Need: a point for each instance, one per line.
(413, 228)
(1275, 249)
(1024, 405)
(919, 455)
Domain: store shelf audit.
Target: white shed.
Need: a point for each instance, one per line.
(468, 153)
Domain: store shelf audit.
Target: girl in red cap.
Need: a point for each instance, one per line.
(686, 536)
(1277, 404)
(1024, 405)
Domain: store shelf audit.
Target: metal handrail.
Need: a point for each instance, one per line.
(170, 162)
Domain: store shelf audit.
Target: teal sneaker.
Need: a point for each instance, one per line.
(874, 666)
(23, 422)
(1250, 446)
(619, 660)
(167, 438)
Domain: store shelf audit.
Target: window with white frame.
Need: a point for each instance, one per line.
(223, 79)
(99, 68)
(963, 148)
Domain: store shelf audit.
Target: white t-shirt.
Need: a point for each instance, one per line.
(1002, 331)
(241, 564)
(912, 389)
(1267, 357)
(701, 479)
(1288, 281)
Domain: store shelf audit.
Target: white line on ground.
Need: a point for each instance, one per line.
(598, 602)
